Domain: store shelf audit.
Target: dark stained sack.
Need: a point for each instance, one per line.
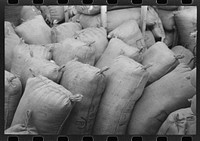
(90, 82)
(34, 31)
(149, 39)
(193, 77)
(186, 22)
(166, 95)
(12, 14)
(115, 48)
(162, 59)
(65, 30)
(28, 13)
(88, 10)
(13, 92)
(170, 38)
(188, 55)
(23, 66)
(70, 49)
(11, 40)
(125, 83)
(46, 14)
(180, 122)
(47, 103)
(167, 18)
(130, 33)
(96, 35)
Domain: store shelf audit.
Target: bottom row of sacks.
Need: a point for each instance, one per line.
(89, 100)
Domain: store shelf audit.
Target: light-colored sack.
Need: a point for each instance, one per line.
(188, 55)
(23, 66)
(96, 36)
(186, 22)
(90, 82)
(70, 49)
(20, 129)
(168, 94)
(65, 30)
(125, 83)
(115, 48)
(130, 33)
(11, 41)
(87, 20)
(34, 31)
(162, 59)
(180, 122)
(47, 104)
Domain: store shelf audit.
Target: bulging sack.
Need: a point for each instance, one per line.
(180, 122)
(34, 31)
(65, 30)
(162, 59)
(96, 35)
(186, 22)
(13, 92)
(31, 50)
(130, 33)
(166, 95)
(25, 66)
(11, 41)
(115, 48)
(125, 83)
(47, 104)
(70, 49)
(90, 82)
(188, 55)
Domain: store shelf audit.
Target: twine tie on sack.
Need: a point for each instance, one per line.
(179, 56)
(76, 97)
(11, 79)
(81, 123)
(103, 70)
(32, 72)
